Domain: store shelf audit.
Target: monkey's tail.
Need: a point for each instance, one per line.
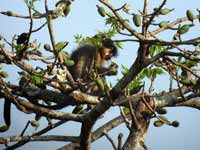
(6, 114)
(67, 102)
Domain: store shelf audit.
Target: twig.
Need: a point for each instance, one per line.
(39, 28)
(152, 111)
(26, 126)
(43, 131)
(4, 140)
(121, 20)
(155, 13)
(30, 28)
(133, 116)
(110, 140)
(183, 66)
(125, 119)
(11, 97)
(179, 86)
(151, 85)
(118, 9)
(173, 23)
(51, 33)
(38, 16)
(120, 136)
(144, 20)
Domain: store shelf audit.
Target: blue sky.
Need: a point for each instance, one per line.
(83, 19)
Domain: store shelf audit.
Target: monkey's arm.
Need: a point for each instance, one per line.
(77, 70)
(108, 71)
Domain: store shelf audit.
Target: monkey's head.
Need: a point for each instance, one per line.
(22, 38)
(108, 49)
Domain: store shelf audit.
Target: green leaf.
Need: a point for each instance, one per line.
(100, 84)
(190, 63)
(37, 80)
(124, 69)
(78, 38)
(96, 40)
(152, 51)
(60, 46)
(155, 49)
(19, 47)
(78, 109)
(1, 37)
(179, 58)
(157, 71)
(126, 110)
(3, 74)
(146, 72)
(114, 23)
(23, 74)
(2, 58)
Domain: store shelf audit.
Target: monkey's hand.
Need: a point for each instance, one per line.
(111, 70)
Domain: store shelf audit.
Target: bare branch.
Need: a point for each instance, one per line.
(4, 140)
(110, 140)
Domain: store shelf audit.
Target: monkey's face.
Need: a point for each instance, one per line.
(109, 48)
(106, 53)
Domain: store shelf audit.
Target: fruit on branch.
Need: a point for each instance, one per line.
(161, 111)
(101, 11)
(184, 29)
(9, 13)
(165, 11)
(35, 123)
(137, 20)
(175, 124)
(163, 24)
(66, 59)
(47, 47)
(190, 15)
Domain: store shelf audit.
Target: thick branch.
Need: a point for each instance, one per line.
(5, 140)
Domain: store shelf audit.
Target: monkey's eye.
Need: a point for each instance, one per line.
(109, 56)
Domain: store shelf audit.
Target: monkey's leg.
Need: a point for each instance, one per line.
(7, 110)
